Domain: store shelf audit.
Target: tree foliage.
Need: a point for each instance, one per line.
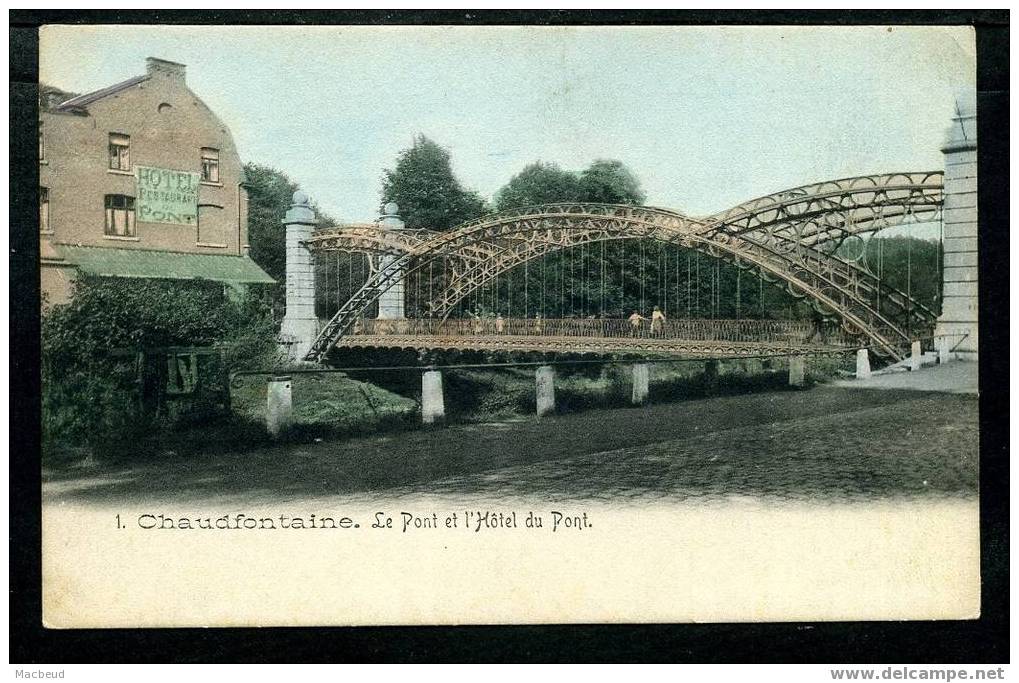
(605, 180)
(270, 194)
(539, 183)
(429, 195)
(611, 182)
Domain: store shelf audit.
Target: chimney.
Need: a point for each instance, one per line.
(162, 67)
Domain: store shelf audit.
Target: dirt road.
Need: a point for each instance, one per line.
(828, 443)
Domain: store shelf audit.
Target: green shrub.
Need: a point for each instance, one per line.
(91, 396)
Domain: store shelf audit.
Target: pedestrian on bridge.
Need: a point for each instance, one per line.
(500, 324)
(635, 320)
(657, 322)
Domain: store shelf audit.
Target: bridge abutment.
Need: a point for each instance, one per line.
(958, 323)
(544, 390)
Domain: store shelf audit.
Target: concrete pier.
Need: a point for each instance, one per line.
(711, 374)
(915, 357)
(544, 389)
(797, 371)
(944, 346)
(641, 384)
(279, 409)
(862, 364)
(433, 407)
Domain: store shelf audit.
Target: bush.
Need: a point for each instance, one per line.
(91, 396)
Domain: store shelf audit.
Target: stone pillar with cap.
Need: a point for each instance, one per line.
(957, 325)
(300, 324)
(391, 303)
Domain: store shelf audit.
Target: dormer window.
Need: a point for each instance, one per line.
(210, 165)
(120, 152)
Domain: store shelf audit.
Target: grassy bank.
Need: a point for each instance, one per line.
(329, 406)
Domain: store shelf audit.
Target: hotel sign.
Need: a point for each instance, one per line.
(167, 196)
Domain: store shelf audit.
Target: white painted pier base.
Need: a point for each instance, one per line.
(862, 364)
(797, 371)
(915, 357)
(544, 389)
(279, 409)
(944, 350)
(641, 384)
(433, 409)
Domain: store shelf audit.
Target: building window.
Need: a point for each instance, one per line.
(44, 209)
(211, 232)
(120, 152)
(119, 215)
(42, 144)
(210, 165)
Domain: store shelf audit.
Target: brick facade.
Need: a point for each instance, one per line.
(166, 126)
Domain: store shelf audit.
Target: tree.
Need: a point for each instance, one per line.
(539, 183)
(50, 97)
(610, 182)
(270, 193)
(427, 191)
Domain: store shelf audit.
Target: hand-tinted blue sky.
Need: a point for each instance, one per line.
(706, 117)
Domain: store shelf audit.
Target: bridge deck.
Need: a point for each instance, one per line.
(684, 348)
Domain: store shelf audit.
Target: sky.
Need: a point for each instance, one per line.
(706, 117)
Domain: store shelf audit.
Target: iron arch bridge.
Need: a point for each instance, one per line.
(796, 239)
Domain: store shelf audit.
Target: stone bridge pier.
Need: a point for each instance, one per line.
(956, 330)
(391, 302)
(300, 324)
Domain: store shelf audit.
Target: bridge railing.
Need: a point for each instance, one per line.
(686, 329)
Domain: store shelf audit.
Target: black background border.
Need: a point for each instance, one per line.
(983, 640)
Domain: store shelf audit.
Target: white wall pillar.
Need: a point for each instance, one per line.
(433, 408)
(279, 409)
(300, 325)
(958, 321)
(641, 384)
(862, 364)
(544, 389)
(797, 371)
(392, 301)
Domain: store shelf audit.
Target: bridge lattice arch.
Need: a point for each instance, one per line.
(790, 239)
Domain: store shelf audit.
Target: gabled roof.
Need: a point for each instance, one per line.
(89, 98)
